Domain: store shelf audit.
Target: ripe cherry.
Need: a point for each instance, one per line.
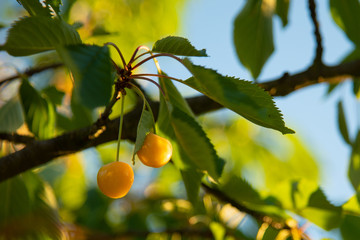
(156, 151)
(115, 179)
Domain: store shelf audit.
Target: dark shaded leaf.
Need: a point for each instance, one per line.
(54, 95)
(282, 10)
(243, 97)
(177, 46)
(35, 8)
(25, 210)
(11, 116)
(91, 69)
(350, 227)
(354, 167)
(321, 212)
(32, 35)
(253, 35)
(39, 113)
(342, 123)
(346, 14)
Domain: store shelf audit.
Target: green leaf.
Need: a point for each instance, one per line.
(32, 35)
(321, 212)
(342, 123)
(356, 87)
(195, 143)
(177, 46)
(39, 113)
(282, 10)
(350, 227)
(346, 14)
(26, 211)
(35, 8)
(239, 189)
(145, 126)
(243, 97)
(91, 69)
(54, 95)
(270, 233)
(191, 176)
(11, 116)
(189, 134)
(217, 230)
(354, 167)
(253, 34)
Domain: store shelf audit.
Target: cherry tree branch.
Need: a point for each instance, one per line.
(319, 47)
(31, 71)
(41, 152)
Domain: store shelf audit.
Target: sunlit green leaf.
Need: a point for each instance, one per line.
(71, 186)
(321, 212)
(191, 176)
(243, 97)
(145, 126)
(342, 123)
(346, 14)
(91, 68)
(35, 8)
(32, 35)
(39, 113)
(354, 168)
(26, 210)
(217, 230)
(253, 34)
(239, 189)
(190, 134)
(350, 227)
(11, 116)
(282, 10)
(177, 46)
(295, 194)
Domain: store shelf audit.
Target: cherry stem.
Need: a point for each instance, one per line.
(120, 126)
(116, 66)
(118, 50)
(150, 80)
(156, 75)
(133, 57)
(158, 55)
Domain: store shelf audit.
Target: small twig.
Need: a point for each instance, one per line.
(257, 215)
(319, 47)
(157, 55)
(16, 138)
(150, 80)
(118, 50)
(31, 71)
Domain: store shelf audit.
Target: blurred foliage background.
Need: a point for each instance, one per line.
(280, 168)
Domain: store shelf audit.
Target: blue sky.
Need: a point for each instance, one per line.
(208, 24)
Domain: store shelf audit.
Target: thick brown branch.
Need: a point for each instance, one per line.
(41, 152)
(331, 74)
(16, 138)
